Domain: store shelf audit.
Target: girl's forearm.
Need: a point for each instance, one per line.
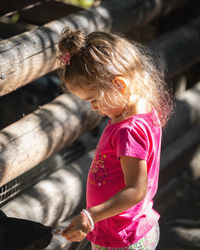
(124, 199)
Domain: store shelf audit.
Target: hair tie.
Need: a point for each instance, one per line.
(65, 58)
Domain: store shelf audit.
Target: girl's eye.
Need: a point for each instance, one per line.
(93, 101)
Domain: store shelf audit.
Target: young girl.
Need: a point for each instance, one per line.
(121, 82)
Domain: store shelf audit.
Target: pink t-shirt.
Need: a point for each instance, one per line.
(138, 136)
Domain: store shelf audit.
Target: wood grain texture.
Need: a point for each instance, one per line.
(32, 54)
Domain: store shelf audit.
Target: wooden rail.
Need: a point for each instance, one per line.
(178, 50)
(37, 136)
(32, 54)
(186, 115)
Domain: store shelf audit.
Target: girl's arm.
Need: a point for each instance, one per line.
(135, 176)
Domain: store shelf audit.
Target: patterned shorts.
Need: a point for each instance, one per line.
(148, 242)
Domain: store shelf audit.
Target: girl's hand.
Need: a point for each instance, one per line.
(77, 229)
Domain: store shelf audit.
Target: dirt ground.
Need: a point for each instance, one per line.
(180, 223)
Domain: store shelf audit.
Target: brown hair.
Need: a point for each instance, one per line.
(97, 58)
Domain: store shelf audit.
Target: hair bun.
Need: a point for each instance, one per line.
(71, 41)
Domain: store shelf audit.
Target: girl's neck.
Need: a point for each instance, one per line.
(142, 107)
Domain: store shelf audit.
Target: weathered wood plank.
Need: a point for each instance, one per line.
(38, 135)
(63, 192)
(186, 115)
(32, 54)
(178, 155)
(178, 50)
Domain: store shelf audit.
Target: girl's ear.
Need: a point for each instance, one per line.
(120, 83)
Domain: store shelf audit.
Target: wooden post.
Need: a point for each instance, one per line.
(32, 54)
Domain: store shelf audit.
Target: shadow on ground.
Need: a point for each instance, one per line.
(180, 224)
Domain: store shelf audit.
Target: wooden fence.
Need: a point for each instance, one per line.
(37, 147)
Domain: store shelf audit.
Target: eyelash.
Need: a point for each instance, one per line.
(93, 101)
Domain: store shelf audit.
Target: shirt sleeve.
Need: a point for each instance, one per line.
(131, 142)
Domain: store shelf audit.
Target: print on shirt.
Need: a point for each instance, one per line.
(98, 170)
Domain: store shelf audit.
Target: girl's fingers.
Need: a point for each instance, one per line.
(77, 239)
(74, 237)
(70, 238)
(68, 234)
(67, 229)
(76, 231)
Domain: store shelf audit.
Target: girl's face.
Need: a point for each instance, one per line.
(102, 108)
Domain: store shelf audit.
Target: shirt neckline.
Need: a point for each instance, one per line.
(132, 116)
